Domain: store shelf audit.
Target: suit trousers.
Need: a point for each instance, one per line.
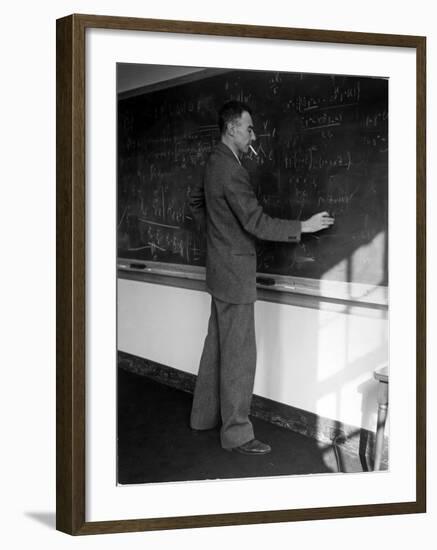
(226, 373)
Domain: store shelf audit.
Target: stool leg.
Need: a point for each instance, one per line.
(382, 417)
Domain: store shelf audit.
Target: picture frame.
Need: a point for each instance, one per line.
(72, 253)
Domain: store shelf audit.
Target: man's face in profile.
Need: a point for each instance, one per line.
(243, 132)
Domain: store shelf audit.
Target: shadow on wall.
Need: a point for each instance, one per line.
(323, 362)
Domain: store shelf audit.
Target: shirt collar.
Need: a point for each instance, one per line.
(236, 156)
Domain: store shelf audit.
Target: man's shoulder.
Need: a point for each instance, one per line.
(223, 158)
(226, 172)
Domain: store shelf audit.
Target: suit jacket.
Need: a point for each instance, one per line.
(224, 205)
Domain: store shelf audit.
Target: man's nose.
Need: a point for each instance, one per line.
(253, 136)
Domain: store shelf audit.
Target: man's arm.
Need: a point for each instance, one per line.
(243, 202)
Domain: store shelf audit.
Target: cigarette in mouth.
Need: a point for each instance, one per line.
(253, 150)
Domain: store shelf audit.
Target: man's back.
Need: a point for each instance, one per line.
(224, 229)
(231, 253)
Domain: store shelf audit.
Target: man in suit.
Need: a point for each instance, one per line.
(225, 206)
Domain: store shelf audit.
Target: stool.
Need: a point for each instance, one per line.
(381, 375)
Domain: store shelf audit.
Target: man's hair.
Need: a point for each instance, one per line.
(229, 112)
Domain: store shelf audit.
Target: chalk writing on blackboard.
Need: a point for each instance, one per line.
(322, 144)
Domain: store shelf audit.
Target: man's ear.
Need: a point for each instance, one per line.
(231, 128)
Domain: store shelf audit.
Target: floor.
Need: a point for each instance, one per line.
(156, 444)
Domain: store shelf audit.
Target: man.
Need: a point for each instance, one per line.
(225, 206)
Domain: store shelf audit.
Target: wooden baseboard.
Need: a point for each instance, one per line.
(329, 432)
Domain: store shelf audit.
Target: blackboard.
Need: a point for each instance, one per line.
(322, 143)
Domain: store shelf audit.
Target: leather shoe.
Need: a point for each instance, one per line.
(252, 447)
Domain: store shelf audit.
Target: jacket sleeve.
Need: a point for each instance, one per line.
(197, 205)
(244, 204)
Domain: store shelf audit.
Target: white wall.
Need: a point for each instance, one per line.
(27, 402)
(319, 360)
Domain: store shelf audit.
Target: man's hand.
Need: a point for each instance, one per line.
(319, 221)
